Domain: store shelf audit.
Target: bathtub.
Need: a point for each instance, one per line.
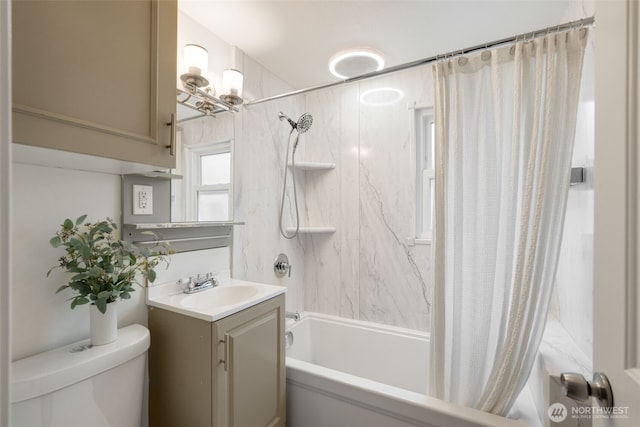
(347, 373)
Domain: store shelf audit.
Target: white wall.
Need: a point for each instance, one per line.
(42, 198)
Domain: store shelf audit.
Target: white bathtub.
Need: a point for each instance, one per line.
(346, 373)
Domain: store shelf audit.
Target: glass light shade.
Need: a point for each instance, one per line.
(196, 59)
(232, 81)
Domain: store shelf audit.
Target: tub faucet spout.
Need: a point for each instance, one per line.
(295, 316)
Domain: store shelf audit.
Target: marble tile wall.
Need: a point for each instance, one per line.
(368, 269)
(259, 156)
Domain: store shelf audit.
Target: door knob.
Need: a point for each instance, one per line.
(576, 387)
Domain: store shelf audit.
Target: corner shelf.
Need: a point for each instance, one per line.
(312, 230)
(313, 166)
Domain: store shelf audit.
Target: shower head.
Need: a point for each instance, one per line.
(302, 125)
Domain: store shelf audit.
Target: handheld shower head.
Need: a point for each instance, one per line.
(303, 124)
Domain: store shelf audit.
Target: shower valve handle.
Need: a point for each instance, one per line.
(281, 266)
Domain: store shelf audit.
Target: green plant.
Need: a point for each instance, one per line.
(104, 267)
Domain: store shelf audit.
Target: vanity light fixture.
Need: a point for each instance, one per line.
(196, 93)
(232, 81)
(196, 59)
(354, 62)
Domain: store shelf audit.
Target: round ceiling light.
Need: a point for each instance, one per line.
(381, 97)
(355, 62)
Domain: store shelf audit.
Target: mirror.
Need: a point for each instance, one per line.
(204, 159)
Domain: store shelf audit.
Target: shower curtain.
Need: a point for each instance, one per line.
(505, 122)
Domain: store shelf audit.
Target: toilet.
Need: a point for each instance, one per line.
(79, 386)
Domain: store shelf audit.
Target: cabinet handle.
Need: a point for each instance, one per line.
(225, 342)
(172, 143)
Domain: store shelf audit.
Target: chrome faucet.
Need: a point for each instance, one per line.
(198, 283)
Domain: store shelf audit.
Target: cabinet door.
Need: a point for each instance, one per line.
(96, 77)
(250, 378)
(180, 370)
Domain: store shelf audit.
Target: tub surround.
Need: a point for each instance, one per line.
(259, 157)
(368, 269)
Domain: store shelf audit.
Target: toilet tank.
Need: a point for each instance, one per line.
(80, 386)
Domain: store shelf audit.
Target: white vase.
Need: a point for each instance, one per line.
(104, 327)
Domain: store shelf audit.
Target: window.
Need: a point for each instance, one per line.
(209, 188)
(425, 163)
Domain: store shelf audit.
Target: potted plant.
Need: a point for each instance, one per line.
(104, 270)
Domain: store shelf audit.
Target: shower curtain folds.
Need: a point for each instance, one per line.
(505, 123)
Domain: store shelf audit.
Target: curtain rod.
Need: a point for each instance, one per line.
(424, 61)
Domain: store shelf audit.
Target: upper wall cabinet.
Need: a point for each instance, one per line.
(96, 77)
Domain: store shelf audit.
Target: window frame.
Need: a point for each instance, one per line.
(425, 142)
(193, 178)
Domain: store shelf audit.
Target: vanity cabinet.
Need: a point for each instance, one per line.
(227, 373)
(96, 77)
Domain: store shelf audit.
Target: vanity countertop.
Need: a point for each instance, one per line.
(229, 297)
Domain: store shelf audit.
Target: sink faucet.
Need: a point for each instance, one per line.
(198, 283)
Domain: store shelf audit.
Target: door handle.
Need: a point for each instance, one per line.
(576, 387)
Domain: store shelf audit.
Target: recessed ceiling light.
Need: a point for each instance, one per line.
(382, 96)
(355, 62)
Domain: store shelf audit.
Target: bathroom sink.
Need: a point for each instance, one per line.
(219, 296)
(229, 297)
